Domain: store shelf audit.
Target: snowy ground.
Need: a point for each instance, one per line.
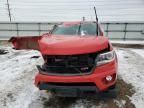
(17, 90)
(127, 42)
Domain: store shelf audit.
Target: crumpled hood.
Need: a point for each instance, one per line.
(70, 45)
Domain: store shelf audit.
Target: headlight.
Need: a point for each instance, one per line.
(105, 58)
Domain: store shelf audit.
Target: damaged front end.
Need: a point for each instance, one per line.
(69, 65)
(79, 75)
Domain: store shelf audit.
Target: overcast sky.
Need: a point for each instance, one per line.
(71, 10)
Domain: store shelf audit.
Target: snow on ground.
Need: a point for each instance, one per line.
(139, 52)
(17, 77)
(127, 42)
(17, 73)
(131, 70)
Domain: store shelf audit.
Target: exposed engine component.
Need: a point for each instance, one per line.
(70, 64)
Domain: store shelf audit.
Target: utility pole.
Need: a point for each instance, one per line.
(9, 12)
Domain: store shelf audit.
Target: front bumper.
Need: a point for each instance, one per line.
(97, 77)
(69, 91)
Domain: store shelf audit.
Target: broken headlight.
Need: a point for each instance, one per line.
(104, 58)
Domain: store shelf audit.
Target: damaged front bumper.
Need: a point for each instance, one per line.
(69, 91)
(97, 77)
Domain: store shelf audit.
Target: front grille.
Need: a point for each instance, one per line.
(70, 64)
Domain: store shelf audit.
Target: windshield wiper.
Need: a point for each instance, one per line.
(79, 29)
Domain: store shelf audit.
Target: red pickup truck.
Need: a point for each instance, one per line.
(79, 59)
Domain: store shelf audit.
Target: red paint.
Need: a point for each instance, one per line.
(70, 45)
(96, 77)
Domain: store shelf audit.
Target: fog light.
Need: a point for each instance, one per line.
(109, 78)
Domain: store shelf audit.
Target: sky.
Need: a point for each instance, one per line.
(72, 10)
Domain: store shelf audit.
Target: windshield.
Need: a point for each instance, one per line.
(81, 29)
